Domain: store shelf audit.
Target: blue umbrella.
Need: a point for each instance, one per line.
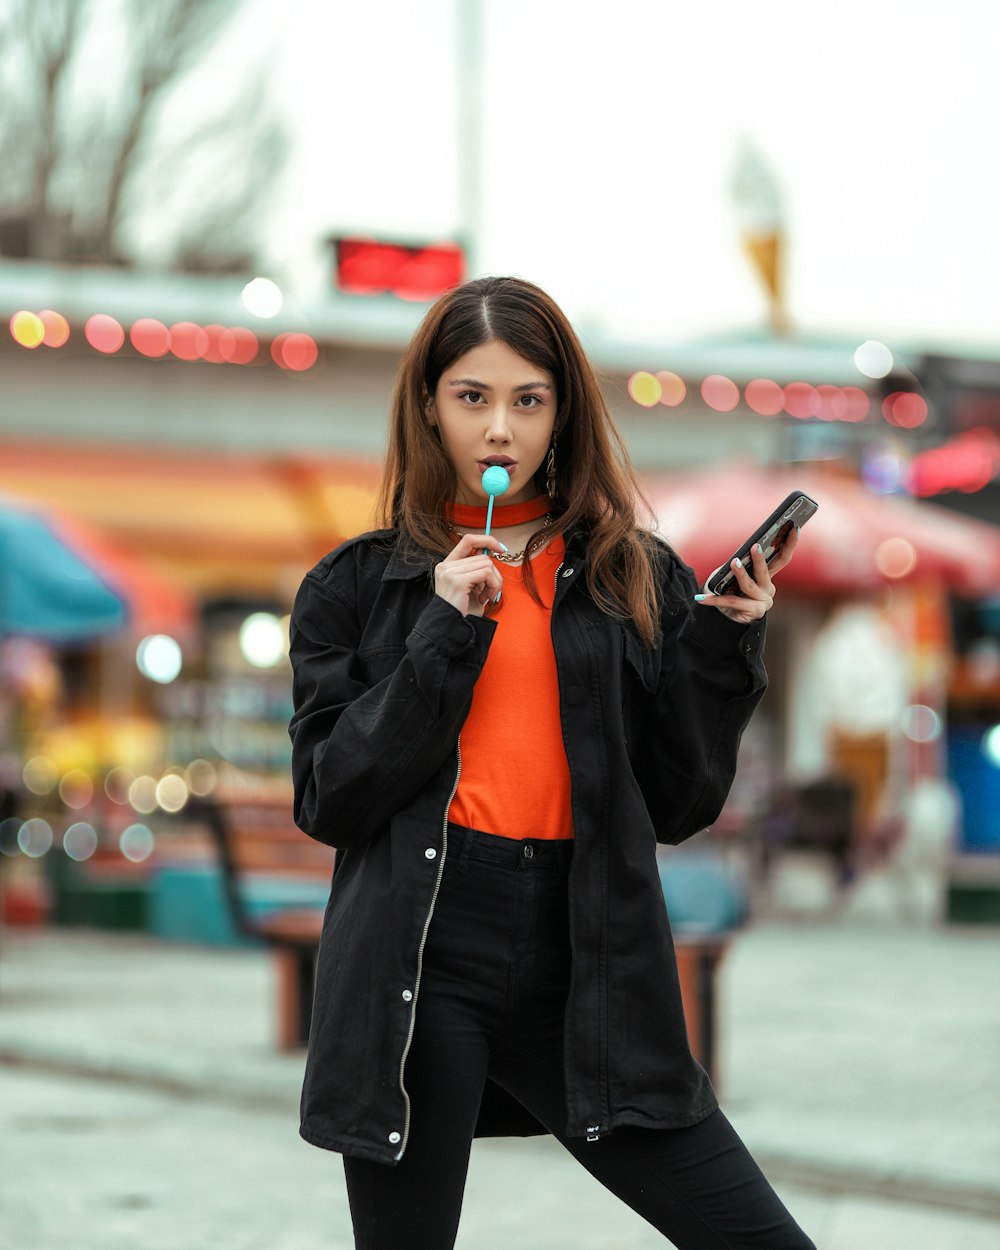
(46, 590)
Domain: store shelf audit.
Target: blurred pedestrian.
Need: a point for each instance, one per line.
(495, 731)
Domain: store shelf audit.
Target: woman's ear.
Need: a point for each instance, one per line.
(430, 412)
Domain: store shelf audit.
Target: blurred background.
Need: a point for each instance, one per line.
(220, 223)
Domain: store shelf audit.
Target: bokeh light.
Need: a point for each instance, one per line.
(764, 397)
(239, 345)
(27, 328)
(262, 297)
(137, 843)
(9, 829)
(905, 409)
(263, 642)
(991, 745)
(921, 723)
(80, 841)
(171, 792)
(150, 337)
(187, 340)
(104, 333)
(56, 328)
(873, 359)
(159, 658)
(142, 795)
(672, 388)
(296, 352)
(895, 558)
(858, 403)
(212, 347)
(76, 788)
(645, 389)
(801, 400)
(882, 468)
(201, 777)
(832, 404)
(116, 784)
(720, 393)
(40, 775)
(35, 837)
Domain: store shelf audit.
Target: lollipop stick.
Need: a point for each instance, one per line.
(489, 519)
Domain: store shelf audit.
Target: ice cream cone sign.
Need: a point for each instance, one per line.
(759, 211)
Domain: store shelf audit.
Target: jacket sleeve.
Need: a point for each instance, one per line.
(360, 752)
(711, 679)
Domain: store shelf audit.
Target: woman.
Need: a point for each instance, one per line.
(495, 732)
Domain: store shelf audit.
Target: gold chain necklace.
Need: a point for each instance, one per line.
(510, 557)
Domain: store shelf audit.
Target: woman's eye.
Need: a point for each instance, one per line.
(472, 396)
(531, 401)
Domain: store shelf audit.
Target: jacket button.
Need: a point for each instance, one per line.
(568, 572)
(407, 996)
(430, 853)
(395, 1138)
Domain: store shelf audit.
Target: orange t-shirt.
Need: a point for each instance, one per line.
(515, 776)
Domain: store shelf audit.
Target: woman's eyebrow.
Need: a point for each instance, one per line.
(483, 386)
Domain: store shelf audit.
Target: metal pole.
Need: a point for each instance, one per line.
(469, 131)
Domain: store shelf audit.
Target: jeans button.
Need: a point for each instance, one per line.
(529, 850)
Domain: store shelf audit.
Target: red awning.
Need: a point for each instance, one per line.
(856, 541)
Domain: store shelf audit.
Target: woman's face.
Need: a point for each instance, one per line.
(491, 406)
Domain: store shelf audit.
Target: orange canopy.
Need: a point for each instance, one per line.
(216, 523)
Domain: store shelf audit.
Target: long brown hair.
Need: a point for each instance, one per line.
(596, 487)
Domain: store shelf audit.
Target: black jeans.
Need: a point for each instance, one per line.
(492, 994)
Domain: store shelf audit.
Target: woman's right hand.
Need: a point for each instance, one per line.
(468, 579)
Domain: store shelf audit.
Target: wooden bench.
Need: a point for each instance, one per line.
(258, 844)
(256, 838)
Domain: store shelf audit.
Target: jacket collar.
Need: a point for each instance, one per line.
(408, 561)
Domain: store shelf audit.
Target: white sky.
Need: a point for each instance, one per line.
(608, 138)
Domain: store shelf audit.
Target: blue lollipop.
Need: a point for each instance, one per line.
(496, 481)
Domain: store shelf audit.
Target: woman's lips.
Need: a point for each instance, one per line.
(509, 465)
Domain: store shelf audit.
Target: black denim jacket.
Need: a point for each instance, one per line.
(383, 678)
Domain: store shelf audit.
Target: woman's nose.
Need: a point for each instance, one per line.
(499, 427)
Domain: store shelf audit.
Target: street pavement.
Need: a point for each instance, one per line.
(143, 1105)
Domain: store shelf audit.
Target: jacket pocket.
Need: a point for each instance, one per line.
(380, 663)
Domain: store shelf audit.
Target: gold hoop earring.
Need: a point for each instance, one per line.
(550, 470)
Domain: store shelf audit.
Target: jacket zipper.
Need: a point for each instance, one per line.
(420, 951)
(430, 916)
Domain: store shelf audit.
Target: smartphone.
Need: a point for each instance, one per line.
(792, 512)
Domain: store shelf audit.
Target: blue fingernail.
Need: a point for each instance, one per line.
(698, 598)
(760, 550)
(504, 545)
(497, 599)
(738, 562)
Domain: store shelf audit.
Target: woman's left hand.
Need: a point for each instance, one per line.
(758, 591)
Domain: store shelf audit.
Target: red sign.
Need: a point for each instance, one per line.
(371, 267)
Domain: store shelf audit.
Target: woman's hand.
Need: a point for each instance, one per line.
(468, 579)
(758, 591)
